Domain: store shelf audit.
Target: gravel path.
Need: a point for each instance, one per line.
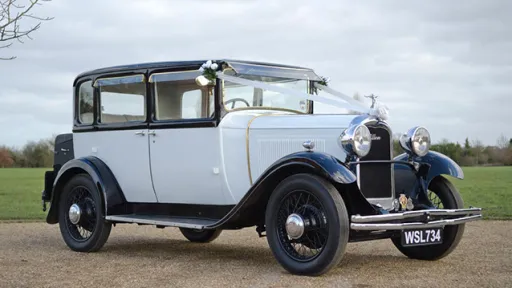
(34, 255)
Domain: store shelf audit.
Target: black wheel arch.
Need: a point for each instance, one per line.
(102, 176)
(251, 208)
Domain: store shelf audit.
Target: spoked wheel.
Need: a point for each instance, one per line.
(443, 195)
(200, 236)
(307, 225)
(302, 225)
(81, 216)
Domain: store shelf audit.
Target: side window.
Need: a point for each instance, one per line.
(85, 103)
(122, 99)
(177, 96)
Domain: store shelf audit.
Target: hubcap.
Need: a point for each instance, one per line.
(294, 226)
(74, 214)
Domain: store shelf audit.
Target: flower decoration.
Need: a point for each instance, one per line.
(323, 81)
(209, 70)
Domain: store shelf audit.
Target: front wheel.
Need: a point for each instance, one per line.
(443, 195)
(81, 221)
(307, 225)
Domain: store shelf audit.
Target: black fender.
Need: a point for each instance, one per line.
(439, 164)
(100, 174)
(410, 183)
(251, 208)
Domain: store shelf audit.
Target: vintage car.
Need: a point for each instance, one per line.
(212, 145)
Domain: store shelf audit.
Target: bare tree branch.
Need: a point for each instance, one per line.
(11, 14)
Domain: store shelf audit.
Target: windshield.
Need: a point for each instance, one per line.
(237, 96)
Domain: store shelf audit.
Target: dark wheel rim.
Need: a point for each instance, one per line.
(435, 200)
(84, 229)
(316, 230)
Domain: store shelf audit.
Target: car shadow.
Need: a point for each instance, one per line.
(172, 249)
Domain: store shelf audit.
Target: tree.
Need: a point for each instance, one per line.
(467, 148)
(502, 142)
(12, 15)
(477, 150)
(5, 158)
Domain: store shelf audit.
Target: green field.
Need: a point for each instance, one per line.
(486, 187)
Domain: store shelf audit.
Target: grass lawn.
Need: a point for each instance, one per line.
(20, 193)
(486, 187)
(489, 188)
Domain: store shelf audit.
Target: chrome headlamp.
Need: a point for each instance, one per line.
(356, 139)
(416, 141)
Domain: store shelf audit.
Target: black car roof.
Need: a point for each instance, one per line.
(173, 64)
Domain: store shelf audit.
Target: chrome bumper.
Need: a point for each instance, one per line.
(392, 221)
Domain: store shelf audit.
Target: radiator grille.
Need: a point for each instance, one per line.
(375, 180)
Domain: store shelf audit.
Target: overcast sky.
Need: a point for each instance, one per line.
(446, 65)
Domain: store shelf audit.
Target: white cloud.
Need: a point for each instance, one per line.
(442, 64)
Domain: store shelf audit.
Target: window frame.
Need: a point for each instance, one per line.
(125, 123)
(150, 122)
(76, 103)
(179, 123)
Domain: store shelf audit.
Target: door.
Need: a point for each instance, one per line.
(184, 142)
(121, 139)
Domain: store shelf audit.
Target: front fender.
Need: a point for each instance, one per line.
(439, 164)
(325, 164)
(101, 175)
(251, 208)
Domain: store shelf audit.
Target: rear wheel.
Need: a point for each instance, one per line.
(443, 195)
(81, 217)
(200, 236)
(307, 225)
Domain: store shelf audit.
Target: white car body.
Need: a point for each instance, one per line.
(228, 158)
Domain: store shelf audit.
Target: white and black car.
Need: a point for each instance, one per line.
(213, 145)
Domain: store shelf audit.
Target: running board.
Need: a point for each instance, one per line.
(168, 221)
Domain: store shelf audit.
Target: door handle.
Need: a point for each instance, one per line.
(141, 133)
(152, 133)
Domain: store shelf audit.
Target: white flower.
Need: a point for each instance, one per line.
(201, 69)
(214, 66)
(208, 64)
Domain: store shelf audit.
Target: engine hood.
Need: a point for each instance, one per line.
(263, 137)
(260, 119)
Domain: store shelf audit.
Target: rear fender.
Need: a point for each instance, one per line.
(101, 175)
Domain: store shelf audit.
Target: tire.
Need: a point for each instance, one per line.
(450, 199)
(328, 224)
(200, 236)
(82, 191)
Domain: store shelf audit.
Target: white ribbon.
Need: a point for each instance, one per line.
(348, 99)
(347, 102)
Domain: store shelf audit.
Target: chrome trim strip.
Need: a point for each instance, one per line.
(412, 214)
(247, 152)
(153, 222)
(413, 225)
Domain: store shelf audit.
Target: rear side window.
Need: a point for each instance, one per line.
(122, 99)
(85, 103)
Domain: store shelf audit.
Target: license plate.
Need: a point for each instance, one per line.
(419, 237)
